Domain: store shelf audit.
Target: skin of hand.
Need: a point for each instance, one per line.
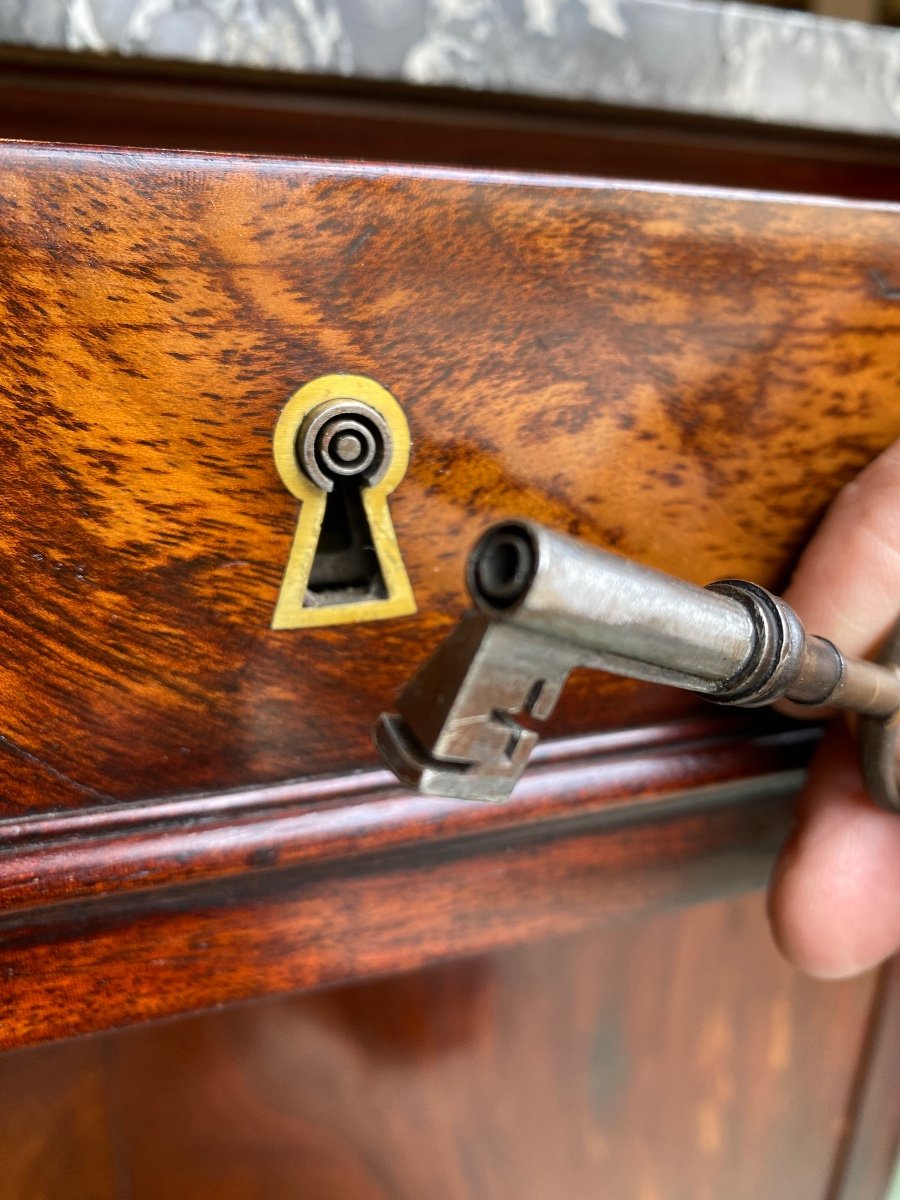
(834, 898)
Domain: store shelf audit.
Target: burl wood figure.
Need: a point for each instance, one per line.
(192, 811)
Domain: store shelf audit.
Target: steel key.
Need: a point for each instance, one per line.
(546, 603)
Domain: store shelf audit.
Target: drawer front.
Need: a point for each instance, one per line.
(686, 378)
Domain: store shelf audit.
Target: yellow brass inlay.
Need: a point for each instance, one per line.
(293, 610)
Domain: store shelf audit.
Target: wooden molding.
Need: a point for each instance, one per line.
(111, 101)
(341, 823)
(113, 916)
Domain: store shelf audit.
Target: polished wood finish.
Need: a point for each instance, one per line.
(640, 1062)
(872, 1158)
(191, 811)
(101, 100)
(685, 378)
(56, 1135)
(191, 800)
(345, 894)
(335, 823)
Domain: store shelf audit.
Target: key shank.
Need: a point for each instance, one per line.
(547, 603)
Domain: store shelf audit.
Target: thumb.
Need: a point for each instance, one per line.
(834, 901)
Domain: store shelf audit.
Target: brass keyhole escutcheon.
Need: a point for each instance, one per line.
(341, 447)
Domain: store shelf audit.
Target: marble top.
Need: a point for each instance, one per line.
(730, 60)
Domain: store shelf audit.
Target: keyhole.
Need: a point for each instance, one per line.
(343, 447)
(346, 566)
(341, 461)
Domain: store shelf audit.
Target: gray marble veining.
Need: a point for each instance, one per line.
(720, 59)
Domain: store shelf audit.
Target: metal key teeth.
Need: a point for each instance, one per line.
(456, 733)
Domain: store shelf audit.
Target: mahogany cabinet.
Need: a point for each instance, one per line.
(573, 994)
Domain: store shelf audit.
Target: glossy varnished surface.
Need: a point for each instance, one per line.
(872, 1153)
(120, 926)
(108, 102)
(677, 1059)
(687, 379)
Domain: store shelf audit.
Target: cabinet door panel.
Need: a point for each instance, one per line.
(675, 1058)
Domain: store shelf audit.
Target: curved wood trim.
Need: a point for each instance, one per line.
(121, 916)
(100, 966)
(104, 852)
(52, 96)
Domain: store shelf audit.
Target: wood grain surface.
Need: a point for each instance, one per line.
(583, 784)
(191, 811)
(685, 378)
(199, 915)
(676, 1059)
(94, 99)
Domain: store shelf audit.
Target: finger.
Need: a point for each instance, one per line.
(834, 901)
(847, 584)
(835, 895)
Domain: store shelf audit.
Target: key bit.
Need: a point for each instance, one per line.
(546, 603)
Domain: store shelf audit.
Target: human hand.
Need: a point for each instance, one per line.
(834, 898)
